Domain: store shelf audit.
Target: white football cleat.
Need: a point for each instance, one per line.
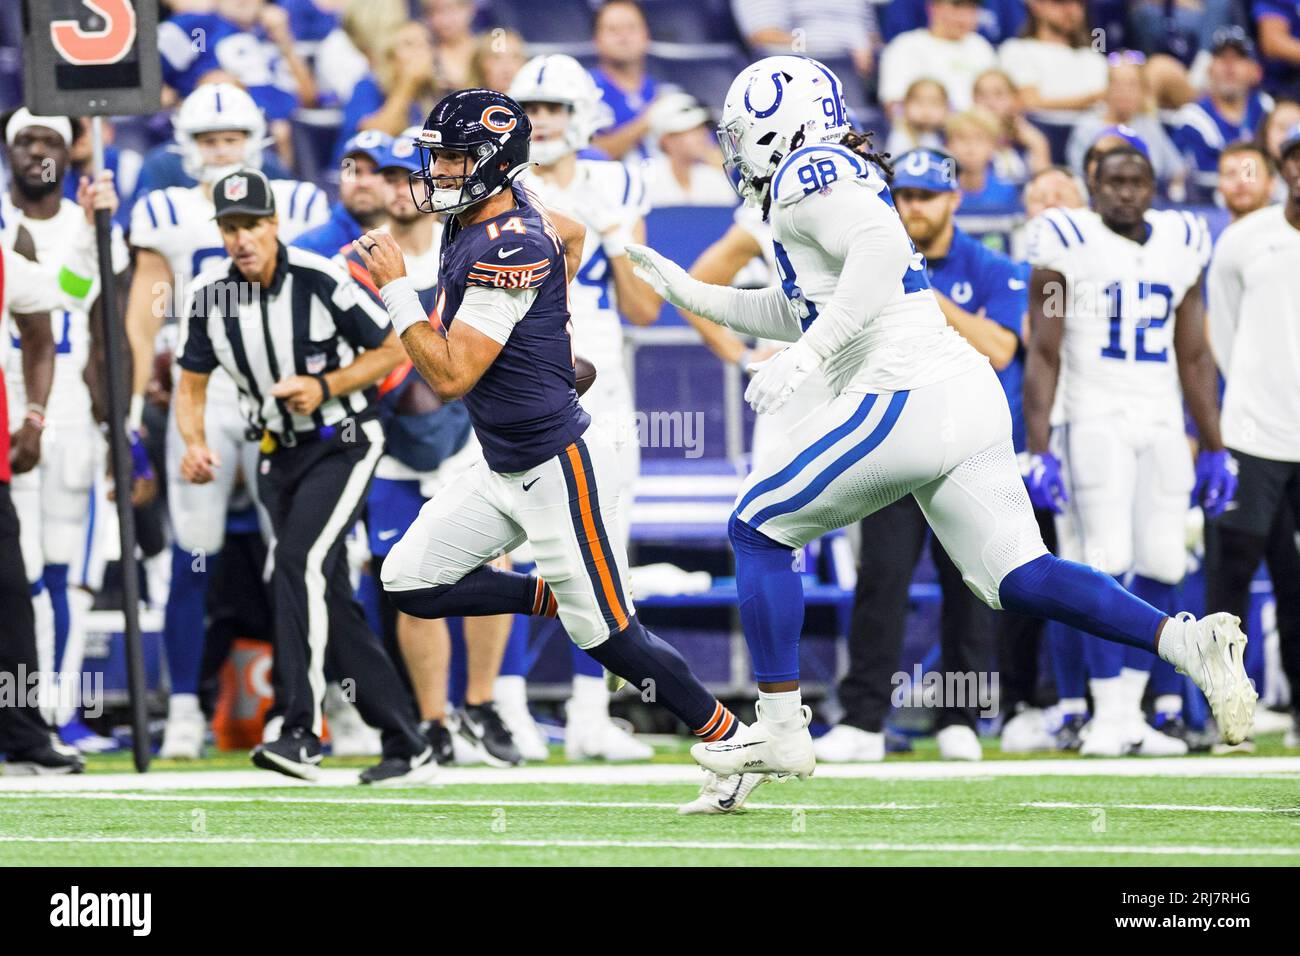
(185, 729)
(724, 794)
(762, 748)
(1106, 738)
(1152, 743)
(1027, 732)
(599, 738)
(844, 743)
(1211, 651)
(958, 742)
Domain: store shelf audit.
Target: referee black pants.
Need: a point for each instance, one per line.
(892, 539)
(21, 726)
(1260, 525)
(314, 492)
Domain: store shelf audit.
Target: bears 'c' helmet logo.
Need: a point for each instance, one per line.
(498, 119)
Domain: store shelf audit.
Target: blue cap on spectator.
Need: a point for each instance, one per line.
(371, 143)
(402, 153)
(1232, 38)
(1291, 141)
(930, 169)
(1129, 135)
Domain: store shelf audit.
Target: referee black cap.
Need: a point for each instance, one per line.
(245, 192)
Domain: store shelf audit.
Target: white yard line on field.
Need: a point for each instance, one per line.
(1024, 848)
(647, 774)
(1158, 806)
(424, 802)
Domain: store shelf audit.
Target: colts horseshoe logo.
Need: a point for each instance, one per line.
(780, 91)
(498, 119)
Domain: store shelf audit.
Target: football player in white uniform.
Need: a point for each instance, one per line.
(916, 411)
(54, 498)
(608, 198)
(1118, 288)
(174, 237)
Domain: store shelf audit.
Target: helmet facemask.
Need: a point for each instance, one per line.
(448, 194)
(752, 184)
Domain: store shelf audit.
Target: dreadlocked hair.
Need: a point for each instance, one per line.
(860, 143)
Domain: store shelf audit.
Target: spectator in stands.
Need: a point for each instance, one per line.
(1232, 109)
(972, 138)
(1180, 28)
(343, 58)
(363, 195)
(498, 56)
(1269, 137)
(1245, 178)
(451, 23)
(249, 40)
(1022, 148)
(1057, 72)
(998, 19)
(818, 28)
(949, 50)
(1129, 104)
(401, 90)
(920, 119)
(1055, 186)
(622, 40)
(1278, 25)
(311, 21)
(688, 169)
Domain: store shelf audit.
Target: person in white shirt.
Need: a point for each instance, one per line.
(948, 50)
(688, 169)
(1054, 65)
(1254, 315)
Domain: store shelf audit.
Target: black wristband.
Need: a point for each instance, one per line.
(325, 393)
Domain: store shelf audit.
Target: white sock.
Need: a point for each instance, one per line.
(510, 690)
(1072, 705)
(1108, 698)
(783, 709)
(1173, 640)
(1135, 685)
(1171, 704)
(182, 705)
(590, 696)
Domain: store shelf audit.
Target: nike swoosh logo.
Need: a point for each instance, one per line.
(503, 254)
(726, 748)
(387, 535)
(529, 484)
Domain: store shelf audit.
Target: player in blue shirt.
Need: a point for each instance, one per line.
(500, 339)
(1232, 109)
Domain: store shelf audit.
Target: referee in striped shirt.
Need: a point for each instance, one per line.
(306, 350)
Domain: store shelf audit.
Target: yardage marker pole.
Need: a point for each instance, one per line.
(113, 335)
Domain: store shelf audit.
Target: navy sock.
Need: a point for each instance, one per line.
(1066, 647)
(485, 590)
(771, 602)
(1081, 597)
(654, 667)
(185, 621)
(56, 583)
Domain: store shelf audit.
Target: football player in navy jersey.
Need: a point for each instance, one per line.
(500, 338)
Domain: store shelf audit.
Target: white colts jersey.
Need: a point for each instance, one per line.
(1119, 306)
(69, 401)
(602, 193)
(908, 343)
(176, 222)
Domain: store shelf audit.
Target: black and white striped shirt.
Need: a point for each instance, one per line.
(311, 319)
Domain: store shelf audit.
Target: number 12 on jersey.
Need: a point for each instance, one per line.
(1151, 311)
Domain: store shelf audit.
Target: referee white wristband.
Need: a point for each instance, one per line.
(403, 304)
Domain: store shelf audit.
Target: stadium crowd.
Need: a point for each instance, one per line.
(994, 112)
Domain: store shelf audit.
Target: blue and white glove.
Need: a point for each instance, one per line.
(1216, 481)
(779, 377)
(1044, 483)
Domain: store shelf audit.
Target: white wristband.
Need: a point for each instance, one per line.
(135, 414)
(403, 304)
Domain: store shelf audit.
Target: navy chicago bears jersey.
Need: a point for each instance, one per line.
(525, 408)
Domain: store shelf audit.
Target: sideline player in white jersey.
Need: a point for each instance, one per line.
(1116, 303)
(174, 237)
(917, 410)
(608, 198)
(54, 497)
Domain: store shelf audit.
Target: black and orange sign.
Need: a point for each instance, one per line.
(89, 57)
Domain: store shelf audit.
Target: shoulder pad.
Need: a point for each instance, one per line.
(811, 169)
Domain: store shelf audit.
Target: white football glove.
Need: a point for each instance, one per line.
(779, 377)
(669, 280)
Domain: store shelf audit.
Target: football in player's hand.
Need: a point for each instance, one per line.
(584, 373)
